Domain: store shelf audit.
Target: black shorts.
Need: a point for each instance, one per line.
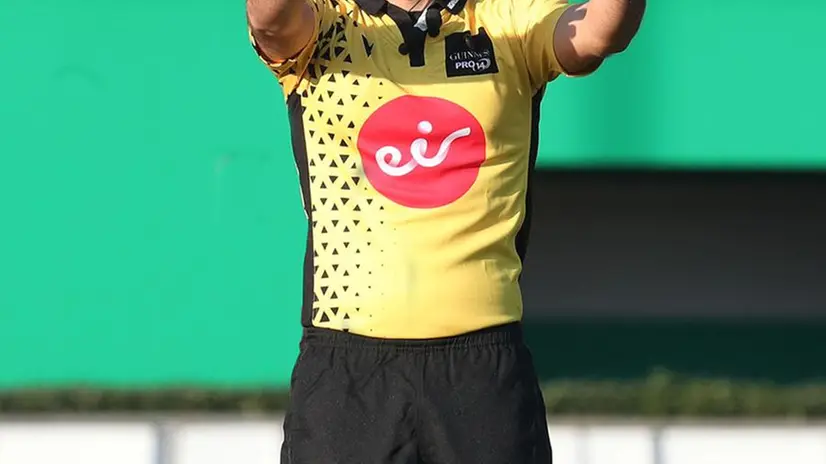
(471, 399)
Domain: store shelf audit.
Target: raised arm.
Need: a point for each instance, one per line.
(590, 32)
(281, 28)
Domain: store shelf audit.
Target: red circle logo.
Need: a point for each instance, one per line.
(422, 152)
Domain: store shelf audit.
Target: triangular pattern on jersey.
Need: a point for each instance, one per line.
(341, 211)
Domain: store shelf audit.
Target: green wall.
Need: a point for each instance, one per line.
(152, 227)
(714, 85)
(152, 230)
(784, 352)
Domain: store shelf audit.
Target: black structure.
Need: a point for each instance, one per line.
(720, 274)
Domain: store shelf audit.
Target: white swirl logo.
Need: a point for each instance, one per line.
(389, 158)
(413, 155)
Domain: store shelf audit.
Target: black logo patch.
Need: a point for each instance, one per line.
(469, 55)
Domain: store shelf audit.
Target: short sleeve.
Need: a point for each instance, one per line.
(289, 72)
(536, 21)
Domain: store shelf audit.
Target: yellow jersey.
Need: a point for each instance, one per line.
(414, 136)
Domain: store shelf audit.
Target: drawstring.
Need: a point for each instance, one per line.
(431, 19)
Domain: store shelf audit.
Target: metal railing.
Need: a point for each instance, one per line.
(257, 440)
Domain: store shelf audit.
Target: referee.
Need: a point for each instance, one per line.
(414, 130)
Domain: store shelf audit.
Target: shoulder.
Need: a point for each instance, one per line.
(510, 18)
(336, 8)
(495, 14)
(337, 20)
(514, 17)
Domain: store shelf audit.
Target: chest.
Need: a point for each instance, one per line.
(358, 67)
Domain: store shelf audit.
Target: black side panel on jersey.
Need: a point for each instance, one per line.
(523, 236)
(296, 111)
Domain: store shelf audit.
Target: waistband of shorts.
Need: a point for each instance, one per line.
(508, 334)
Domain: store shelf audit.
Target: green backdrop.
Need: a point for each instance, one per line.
(152, 226)
(734, 84)
(152, 230)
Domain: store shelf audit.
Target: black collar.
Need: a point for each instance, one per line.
(375, 7)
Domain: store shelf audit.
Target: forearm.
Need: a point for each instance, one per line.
(271, 15)
(281, 27)
(613, 23)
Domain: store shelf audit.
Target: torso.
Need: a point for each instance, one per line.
(420, 246)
